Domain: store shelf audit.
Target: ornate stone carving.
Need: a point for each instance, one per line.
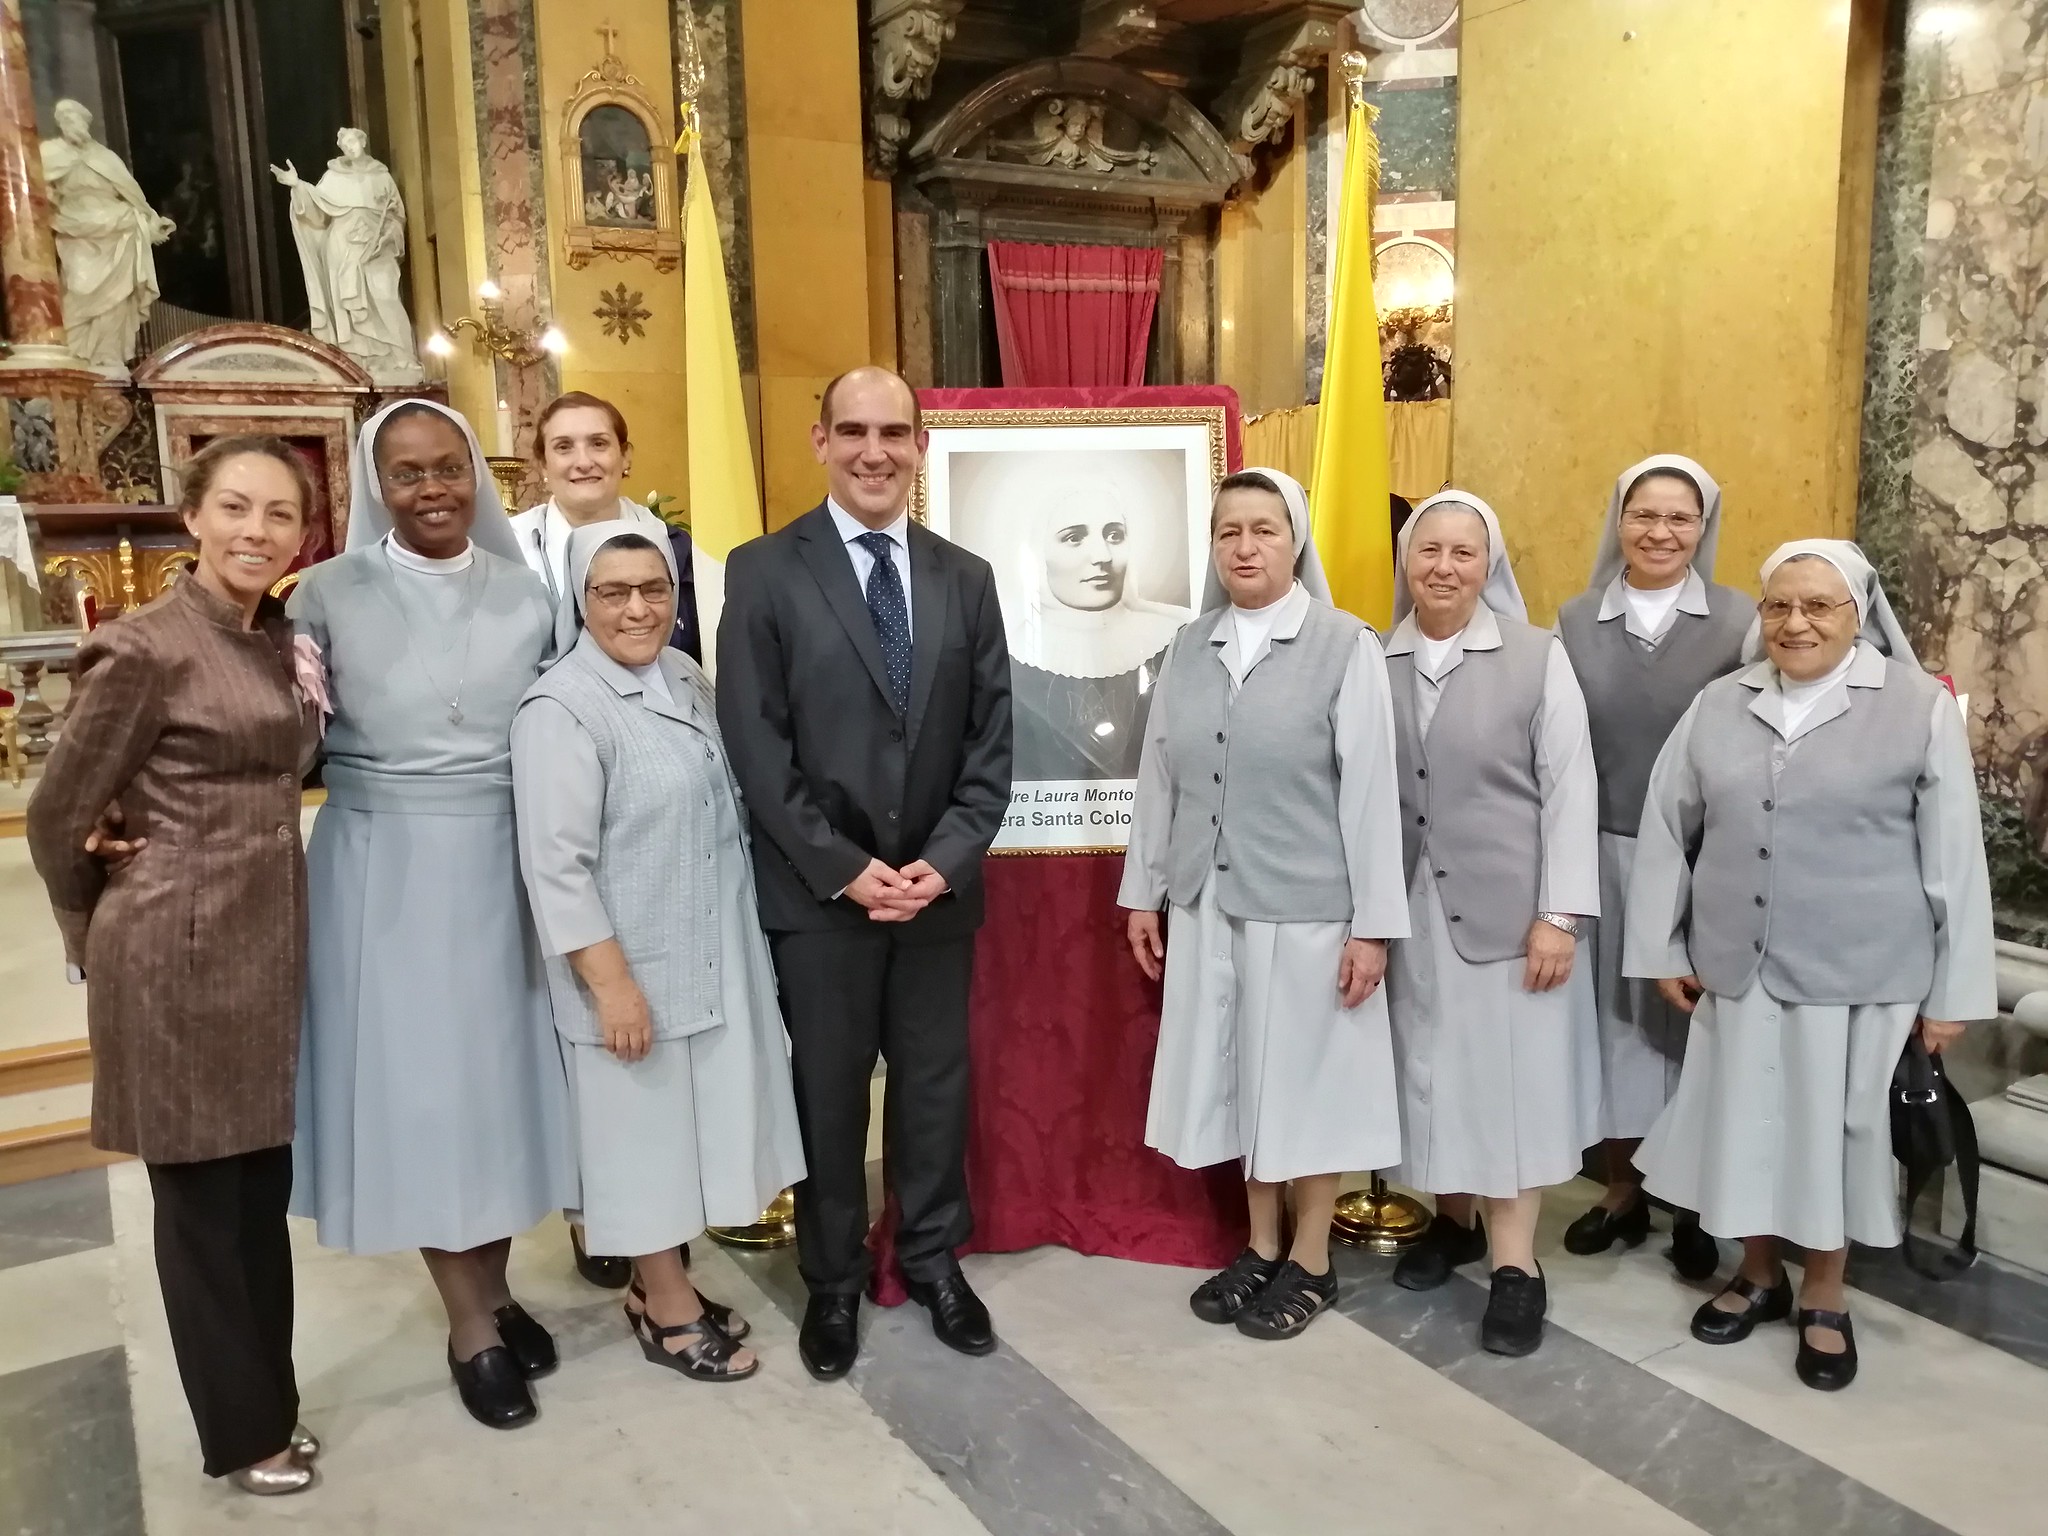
(105, 229)
(1067, 132)
(906, 36)
(1279, 63)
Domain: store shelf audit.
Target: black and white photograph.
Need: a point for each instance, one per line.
(1097, 534)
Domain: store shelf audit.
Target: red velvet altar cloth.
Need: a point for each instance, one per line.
(1061, 1031)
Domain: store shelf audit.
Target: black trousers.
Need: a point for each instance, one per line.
(847, 995)
(224, 1259)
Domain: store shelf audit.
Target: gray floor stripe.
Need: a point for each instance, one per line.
(67, 1459)
(1651, 1435)
(1997, 1304)
(48, 1218)
(1024, 1457)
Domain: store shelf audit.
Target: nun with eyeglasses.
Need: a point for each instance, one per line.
(1495, 1036)
(1266, 829)
(1650, 630)
(1810, 886)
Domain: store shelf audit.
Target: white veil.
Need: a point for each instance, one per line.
(369, 519)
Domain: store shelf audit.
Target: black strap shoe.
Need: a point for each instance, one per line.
(1693, 1252)
(1513, 1324)
(1287, 1306)
(958, 1317)
(493, 1388)
(531, 1345)
(600, 1269)
(1230, 1290)
(1600, 1229)
(1820, 1370)
(830, 1338)
(1766, 1304)
(1444, 1246)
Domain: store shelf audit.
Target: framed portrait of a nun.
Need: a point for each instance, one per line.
(1096, 523)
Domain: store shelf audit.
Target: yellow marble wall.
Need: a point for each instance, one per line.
(1663, 230)
(642, 375)
(810, 220)
(1262, 285)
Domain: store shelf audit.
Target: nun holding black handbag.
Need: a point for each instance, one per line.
(1810, 883)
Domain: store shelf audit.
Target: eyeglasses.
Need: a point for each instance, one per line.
(616, 594)
(447, 474)
(1677, 522)
(1775, 610)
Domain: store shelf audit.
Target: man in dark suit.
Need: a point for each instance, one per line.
(864, 697)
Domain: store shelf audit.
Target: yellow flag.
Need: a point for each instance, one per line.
(725, 501)
(1350, 480)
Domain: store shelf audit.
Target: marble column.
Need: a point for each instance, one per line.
(28, 252)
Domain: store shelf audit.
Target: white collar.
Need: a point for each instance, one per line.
(1481, 633)
(1286, 616)
(852, 528)
(411, 561)
(1692, 596)
(1866, 670)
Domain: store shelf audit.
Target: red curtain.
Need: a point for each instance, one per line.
(1073, 316)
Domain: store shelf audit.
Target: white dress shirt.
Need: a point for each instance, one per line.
(850, 530)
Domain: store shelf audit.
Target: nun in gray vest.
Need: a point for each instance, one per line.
(433, 1110)
(1266, 824)
(1645, 636)
(1810, 885)
(1495, 1037)
(633, 845)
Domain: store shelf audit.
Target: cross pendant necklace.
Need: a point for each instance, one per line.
(452, 701)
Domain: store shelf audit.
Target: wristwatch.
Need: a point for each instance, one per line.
(1562, 921)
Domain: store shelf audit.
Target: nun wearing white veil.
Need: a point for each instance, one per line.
(1266, 824)
(1495, 1035)
(1810, 885)
(1651, 629)
(433, 1108)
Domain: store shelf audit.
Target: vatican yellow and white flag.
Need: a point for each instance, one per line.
(1351, 479)
(725, 498)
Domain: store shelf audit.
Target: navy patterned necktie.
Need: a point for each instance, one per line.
(891, 614)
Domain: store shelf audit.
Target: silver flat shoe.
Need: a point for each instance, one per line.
(268, 1482)
(305, 1442)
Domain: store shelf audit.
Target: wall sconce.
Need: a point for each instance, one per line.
(493, 338)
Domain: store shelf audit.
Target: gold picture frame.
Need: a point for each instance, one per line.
(610, 129)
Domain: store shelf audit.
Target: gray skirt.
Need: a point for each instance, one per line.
(1642, 1037)
(433, 1111)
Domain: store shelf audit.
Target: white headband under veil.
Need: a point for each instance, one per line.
(586, 542)
(1308, 565)
(1881, 627)
(1608, 562)
(1500, 593)
(369, 519)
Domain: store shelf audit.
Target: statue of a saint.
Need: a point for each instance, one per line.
(104, 228)
(350, 230)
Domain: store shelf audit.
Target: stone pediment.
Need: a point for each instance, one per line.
(1079, 126)
(252, 356)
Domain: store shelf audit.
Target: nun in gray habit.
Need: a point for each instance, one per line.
(1495, 1039)
(1828, 785)
(633, 843)
(1266, 824)
(432, 1111)
(1649, 631)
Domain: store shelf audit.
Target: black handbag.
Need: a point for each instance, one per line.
(1932, 1128)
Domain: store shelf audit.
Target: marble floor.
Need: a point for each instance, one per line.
(1109, 1409)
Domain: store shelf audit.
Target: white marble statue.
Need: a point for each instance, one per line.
(104, 228)
(350, 230)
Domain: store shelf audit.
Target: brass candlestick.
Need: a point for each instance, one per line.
(775, 1229)
(1381, 1219)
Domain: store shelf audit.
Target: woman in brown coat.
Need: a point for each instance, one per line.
(189, 713)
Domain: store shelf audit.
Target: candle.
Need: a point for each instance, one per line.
(507, 448)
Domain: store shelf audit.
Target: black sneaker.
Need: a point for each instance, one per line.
(1513, 1324)
(1444, 1246)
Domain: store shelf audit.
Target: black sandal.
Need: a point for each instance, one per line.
(727, 1321)
(1221, 1297)
(709, 1359)
(1818, 1368)
(1289, 1304)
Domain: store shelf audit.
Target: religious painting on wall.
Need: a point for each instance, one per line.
(1096, 523)
(618, 170)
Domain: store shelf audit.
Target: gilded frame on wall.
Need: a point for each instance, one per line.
(629, 209)
(1095, 521)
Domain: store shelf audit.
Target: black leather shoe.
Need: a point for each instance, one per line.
(1444, 1246)
(1766, 1304)
(958, 1317)
(1513, 1324)
(1816, 1367)
(1221, 1297)
(600, 1269)
(493, 1388)
(531, 1345)
(1693, 1251)
(1600, 1229)
(830, 1338)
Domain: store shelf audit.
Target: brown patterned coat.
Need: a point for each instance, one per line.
(195, 951)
